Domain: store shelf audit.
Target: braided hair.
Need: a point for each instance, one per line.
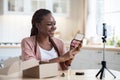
(37, 18)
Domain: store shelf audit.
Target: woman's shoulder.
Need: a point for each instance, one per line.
(28, 39)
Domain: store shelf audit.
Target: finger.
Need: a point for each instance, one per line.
(79, 47)
(72, 56)
(72, 50)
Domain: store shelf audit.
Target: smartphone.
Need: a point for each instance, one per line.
(77, 40)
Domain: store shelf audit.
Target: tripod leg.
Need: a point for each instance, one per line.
(110, 72)
(99, 72)
(102, 73)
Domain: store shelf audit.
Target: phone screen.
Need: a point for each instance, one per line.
(77, 40)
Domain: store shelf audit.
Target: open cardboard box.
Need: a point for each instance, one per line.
(30, 68)
(41, 71)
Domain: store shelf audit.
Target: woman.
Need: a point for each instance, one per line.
(42, 45)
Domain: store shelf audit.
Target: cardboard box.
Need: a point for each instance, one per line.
(41, 71)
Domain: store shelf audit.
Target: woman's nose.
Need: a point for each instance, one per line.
(53, 27)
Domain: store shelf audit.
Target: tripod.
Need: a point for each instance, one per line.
(103, 63)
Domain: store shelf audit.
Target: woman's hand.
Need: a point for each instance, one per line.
(68, 55)
(71, 53)
(76, 44)
(75, 47)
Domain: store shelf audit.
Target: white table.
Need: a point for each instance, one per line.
(69, 75)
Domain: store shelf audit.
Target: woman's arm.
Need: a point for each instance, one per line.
(27, 50)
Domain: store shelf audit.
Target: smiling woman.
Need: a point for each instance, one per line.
(43, 46)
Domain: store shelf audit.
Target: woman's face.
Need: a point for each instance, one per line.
(47, 26)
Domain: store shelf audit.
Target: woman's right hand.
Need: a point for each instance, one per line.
(71, 53)
(67, 56)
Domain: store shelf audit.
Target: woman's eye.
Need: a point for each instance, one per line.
(49, 24)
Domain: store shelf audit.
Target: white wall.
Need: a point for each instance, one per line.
(15, 27)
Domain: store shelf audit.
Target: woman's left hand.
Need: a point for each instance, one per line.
(76, 48)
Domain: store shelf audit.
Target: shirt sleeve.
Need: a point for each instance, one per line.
(27, 50)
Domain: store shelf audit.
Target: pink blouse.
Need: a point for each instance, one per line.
(28, 50)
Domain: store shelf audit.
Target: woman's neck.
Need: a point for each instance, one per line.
(42, 38)
(44, 42)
